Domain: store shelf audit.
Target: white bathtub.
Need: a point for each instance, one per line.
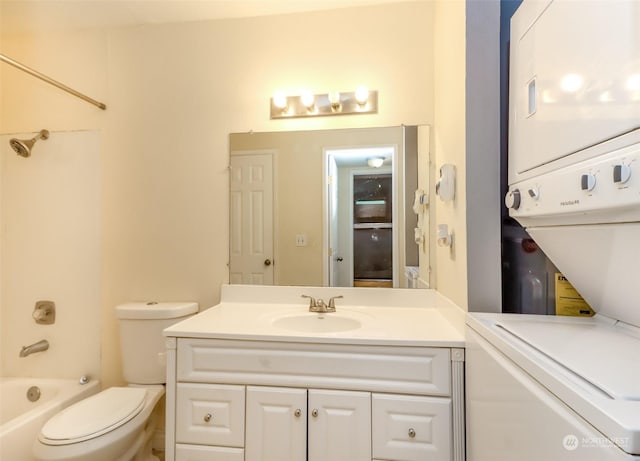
(21, 420)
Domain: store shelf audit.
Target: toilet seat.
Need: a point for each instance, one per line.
(94, 416)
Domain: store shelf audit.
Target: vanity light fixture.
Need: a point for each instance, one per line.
(307, 104)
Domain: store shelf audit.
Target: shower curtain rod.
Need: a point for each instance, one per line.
(51, 81)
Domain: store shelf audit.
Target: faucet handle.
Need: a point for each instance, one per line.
(332, 302)
(312, 301)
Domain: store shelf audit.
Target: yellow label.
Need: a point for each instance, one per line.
(568, 300)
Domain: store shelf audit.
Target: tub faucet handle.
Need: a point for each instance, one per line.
(44, 312)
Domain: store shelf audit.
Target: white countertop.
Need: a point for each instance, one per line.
(386, 316)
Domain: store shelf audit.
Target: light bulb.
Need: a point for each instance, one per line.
(362, 95)
(308, 99)
(334, 100)
(280, 100)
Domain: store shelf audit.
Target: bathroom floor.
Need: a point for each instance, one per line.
(373, 283)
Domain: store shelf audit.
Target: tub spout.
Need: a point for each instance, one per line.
(35, 347)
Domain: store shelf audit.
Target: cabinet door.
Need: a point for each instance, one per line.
(276, 424)
(339, 426)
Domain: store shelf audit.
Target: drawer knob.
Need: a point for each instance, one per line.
(412, 432)
(314, 412)
(207, 417)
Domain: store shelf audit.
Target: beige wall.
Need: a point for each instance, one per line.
(449, 136)
(174, 92)
(51, 204)
(467, 135)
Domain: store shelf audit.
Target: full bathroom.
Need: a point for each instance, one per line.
(146, 202)
(112, 212)
(131, 203)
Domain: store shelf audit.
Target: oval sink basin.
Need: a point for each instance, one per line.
(317, 323)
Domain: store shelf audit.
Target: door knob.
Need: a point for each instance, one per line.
(314, 412)
(297, 413)
(267, 262)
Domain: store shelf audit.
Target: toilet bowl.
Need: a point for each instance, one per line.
(118, 424)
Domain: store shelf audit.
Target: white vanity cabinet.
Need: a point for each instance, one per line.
(242, 400)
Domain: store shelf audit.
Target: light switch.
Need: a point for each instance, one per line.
(301, 240)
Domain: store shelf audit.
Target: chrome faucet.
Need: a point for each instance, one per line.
(40, 346)
(319, 306)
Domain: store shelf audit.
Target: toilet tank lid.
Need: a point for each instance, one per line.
(155, 310)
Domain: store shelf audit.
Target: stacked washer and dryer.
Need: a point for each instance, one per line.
(552, 387)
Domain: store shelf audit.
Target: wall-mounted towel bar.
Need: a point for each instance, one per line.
(51, 81)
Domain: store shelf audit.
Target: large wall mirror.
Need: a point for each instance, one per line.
(330, 207)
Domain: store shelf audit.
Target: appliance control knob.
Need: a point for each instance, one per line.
(512, 199)
(588, 182)
(534, 193)
(621, 173)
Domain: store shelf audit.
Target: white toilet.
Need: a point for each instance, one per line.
(118, 423)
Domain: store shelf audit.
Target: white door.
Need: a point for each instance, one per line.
(334, 254)
(251, 212)
(276, 424)
(339, 425)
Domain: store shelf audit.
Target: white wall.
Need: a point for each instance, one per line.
(174, 92)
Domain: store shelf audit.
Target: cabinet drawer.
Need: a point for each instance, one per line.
(411, 428)
(210, 414)
(403, 370)
(200, 453)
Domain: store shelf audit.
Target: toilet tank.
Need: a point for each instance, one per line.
(142, 344)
